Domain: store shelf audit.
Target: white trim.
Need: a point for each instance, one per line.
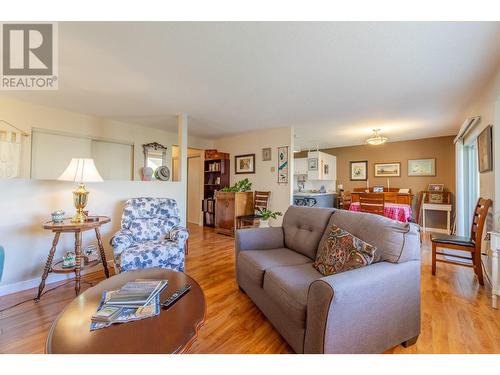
(52, 278)
(466, 127)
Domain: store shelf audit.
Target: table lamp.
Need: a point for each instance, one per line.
(81, 171)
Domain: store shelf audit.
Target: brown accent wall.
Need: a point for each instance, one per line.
(441, 148)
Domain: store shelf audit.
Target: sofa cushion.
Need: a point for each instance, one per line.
(288, 287)
(303, 228)
(255, 262)
(396, 242)
(342, 252)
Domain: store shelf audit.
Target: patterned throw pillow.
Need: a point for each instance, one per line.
(342, 252)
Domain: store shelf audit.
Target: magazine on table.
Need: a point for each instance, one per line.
(107, 315)
(137, 293)
(136, 300)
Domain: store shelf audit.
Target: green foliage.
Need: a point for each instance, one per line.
(267, 214)
(239, 187)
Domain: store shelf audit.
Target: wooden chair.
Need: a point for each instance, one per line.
(372, 203)
(260, 202)
(344, 200)
(470, 244)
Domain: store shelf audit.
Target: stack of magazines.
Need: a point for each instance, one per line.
(136, 300)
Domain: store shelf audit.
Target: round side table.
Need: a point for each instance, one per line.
(67, 226)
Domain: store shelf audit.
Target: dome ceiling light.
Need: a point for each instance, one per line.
(376, 139)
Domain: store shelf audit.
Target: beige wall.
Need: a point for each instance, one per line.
(265, 179)
(441, 148)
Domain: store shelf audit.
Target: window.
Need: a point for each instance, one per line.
(471, 181)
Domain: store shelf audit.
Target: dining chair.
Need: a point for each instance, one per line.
(260, 202)
(372, 203)
(470, 244)
(344, 200)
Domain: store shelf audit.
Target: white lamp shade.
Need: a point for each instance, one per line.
(81, 170)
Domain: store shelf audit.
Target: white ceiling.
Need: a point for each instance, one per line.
(333, 81)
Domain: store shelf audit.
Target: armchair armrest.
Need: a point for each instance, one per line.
(121, 240)
(366, 310)
(259, 239)
(178, 234)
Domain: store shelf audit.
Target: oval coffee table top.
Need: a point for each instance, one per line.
(170, 332)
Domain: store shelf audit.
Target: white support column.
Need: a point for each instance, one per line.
(182, 133)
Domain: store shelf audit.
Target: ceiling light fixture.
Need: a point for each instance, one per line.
(376, 139)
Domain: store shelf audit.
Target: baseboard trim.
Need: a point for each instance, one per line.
(53, 278)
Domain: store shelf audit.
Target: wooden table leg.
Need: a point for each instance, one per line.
(78, 251)
(48, 265)
(101, 250)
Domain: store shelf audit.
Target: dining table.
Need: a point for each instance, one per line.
(395, 211)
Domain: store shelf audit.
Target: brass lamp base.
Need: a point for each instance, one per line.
(80, 198)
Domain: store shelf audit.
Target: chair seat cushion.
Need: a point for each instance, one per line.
(254, 263)
(148, 254)
(452, 240)
(288, 287)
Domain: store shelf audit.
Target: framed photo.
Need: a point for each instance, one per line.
(436, 197)
(422, 167)
(436, 187)
(312, 164)
(484, 150)
(388, 169)
(266, 154)
(244, 164)
(283, 165)
(359, 170)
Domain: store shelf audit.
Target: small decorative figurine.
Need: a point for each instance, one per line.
(90, 253)
(58, 216)
(69, 259)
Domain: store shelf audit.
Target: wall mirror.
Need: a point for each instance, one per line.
(155, 162)
(51, 152)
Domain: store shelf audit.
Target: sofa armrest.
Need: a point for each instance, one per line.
(178, 234)
(366, 310)
(259, 239)
(121, 240)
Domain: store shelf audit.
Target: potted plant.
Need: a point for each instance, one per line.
(239, 187)
(265, 215)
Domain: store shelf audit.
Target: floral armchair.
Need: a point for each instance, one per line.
(150, 235)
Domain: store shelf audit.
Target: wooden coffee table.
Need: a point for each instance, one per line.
(173, 331)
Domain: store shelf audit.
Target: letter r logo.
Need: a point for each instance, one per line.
(27, 49)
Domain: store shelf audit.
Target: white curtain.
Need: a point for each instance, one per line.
(10, 155)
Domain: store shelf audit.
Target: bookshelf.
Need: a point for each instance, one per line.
(216, 177)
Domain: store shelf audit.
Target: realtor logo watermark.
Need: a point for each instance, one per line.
(29, 59)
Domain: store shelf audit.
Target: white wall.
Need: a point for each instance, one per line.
(26, 204)
(264, 179)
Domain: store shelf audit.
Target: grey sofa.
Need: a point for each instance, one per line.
(365, 310)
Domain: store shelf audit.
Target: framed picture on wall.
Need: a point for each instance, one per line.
(266, 154)
(422, 167)
(388, 169)
(484, 150)
(244, 164)
(359, 170)
(283, 165)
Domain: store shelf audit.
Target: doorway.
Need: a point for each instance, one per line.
(194, 187)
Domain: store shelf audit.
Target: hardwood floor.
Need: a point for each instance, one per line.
(456, 312)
